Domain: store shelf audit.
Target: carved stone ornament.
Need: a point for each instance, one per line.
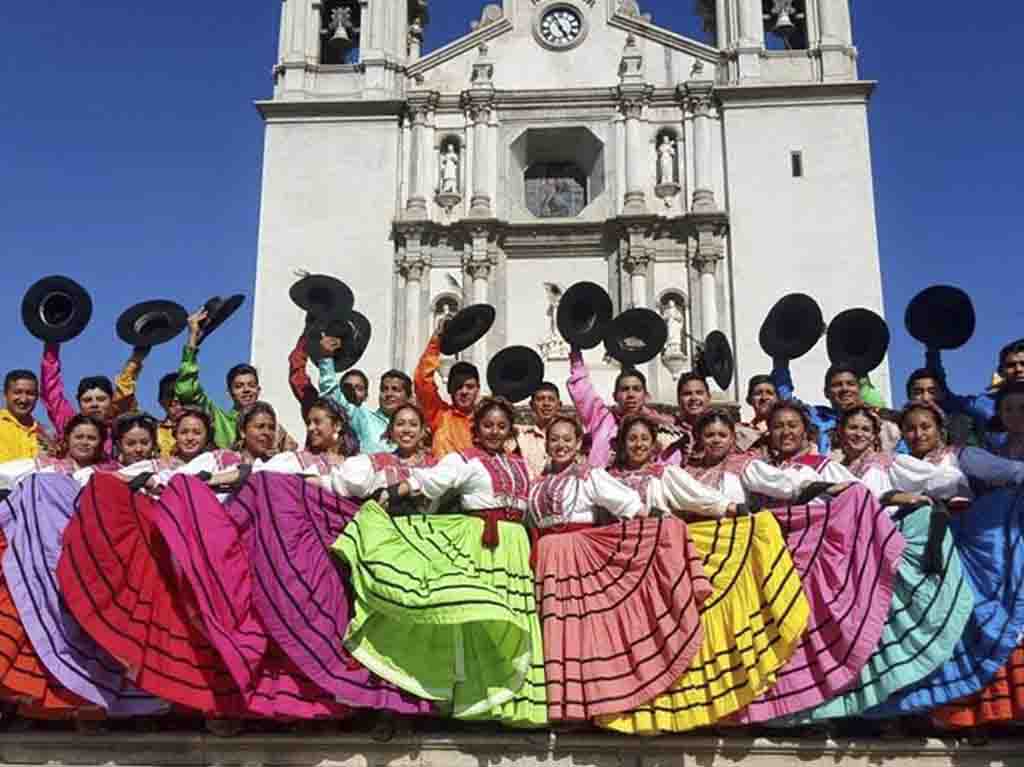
(555, 190)
(553, 346)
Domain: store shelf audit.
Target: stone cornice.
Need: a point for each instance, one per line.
(460, 46)
(742, 96)
(484, 748)
(307, 110)
(669, 39)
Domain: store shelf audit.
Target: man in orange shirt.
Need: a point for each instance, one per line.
(452, 422)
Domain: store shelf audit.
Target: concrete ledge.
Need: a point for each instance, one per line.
(493, 750)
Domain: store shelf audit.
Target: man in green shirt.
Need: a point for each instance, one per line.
(243, 387)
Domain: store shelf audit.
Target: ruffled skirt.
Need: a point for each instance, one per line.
(119, 581)
(42, 507)
(847, 551)
(210, 544)
(444, 617)
(989, 537)
(619, 610)
(753, 620)
(928, 615)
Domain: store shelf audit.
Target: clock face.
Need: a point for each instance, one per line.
(561, 27)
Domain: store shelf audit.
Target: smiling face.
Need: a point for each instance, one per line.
(922, 432)
(392, 395)
(718, 441)
(1012, 368)
(630, 395)
(639, 446)
(857, 436)
(190, 437)
(843, 391)
(84, 444)
(259, 435)
(787, 433)
(927, 390)
(322, 430)
(493, 429)
(407, 431)
(694, 399)
(95, 403)
(465, 397)
(135, 445)
(563, 446)
(1011, 413)
(21, 397)
(762, 399)
(545, 406)
(245, 390)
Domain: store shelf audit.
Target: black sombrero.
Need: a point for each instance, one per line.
(941, 317)
(151, 323)
(324, 295)
(56, 309)
(218, 310)
(858, 338)
(792, 328)
(466, 328)
(515, 373)
(715, 360)
(354, 331)
(636, 336)
(584, 312)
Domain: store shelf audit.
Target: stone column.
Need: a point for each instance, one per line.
(835, 43)
(710, 252)
(636, 263)
(698, 98)
(477, 265)
(634, 94)
(413, 267)
(421, 107)
(750, 43)
(721, 25)
(480, 202)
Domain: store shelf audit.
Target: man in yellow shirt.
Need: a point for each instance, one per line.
(21, 435)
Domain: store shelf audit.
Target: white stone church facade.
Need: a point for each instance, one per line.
(563, 140)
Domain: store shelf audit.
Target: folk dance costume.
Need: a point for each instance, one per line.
(1002, 700)
(34, 520)
(752, 620)
(847, 551)
(989, 537)
(931, 601)
(445, 604)
(211, 544)
(120, 581)
(618, 603)
(23, 677)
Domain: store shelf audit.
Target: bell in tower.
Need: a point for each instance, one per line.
(339, 31)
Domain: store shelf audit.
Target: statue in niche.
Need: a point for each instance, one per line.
(450, 170)
(675, 320)
(666, 160)
(445, 308)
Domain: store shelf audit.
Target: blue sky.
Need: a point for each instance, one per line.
(130, 156)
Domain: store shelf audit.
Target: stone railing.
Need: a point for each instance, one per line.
(488, 749)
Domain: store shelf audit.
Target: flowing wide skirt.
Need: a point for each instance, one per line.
(989, 538)
(619, 611)
(847, 551)
(444, 617)
(119, 581)
(210, 544)
(928, 616)
(42, 506)
(300, 590)
(753, 620)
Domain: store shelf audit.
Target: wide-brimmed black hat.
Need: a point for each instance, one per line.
(792, 328)
(941, 317)
(218, 310)
(323, 295)
(716, 360)
(858, 338)
(466, 328)
(353, 330)
(515, 373)
(56, 309)
(584, 312)
(151, 323)
(635, 336)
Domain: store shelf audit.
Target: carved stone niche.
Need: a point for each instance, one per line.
(672, 307)
(668, 150)
(450, 173)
